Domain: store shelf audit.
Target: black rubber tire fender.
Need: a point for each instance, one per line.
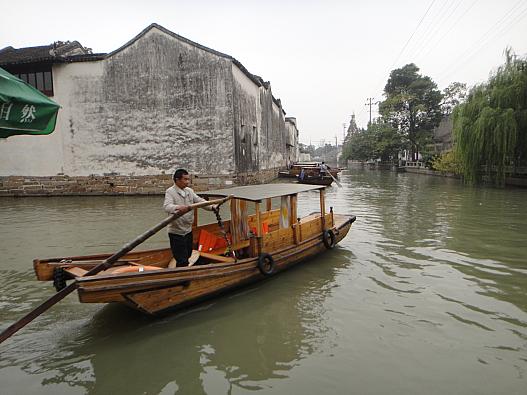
(329, 239)
(59, 278)
(266, 264)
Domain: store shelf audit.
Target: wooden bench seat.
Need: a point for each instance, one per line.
(216, 258)
(236, 247)
(75, 271)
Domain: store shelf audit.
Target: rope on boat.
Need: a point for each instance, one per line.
(230, 251)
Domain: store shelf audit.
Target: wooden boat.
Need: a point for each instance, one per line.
(286, 174)
(262, 244)
(316, 180)
(310, 168)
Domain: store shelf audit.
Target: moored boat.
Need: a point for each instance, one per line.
(310, 168)
(316, 180)
(286, 174)
(234, 252)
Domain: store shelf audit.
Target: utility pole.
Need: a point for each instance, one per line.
(369, 103)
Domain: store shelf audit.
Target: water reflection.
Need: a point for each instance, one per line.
(242, 340)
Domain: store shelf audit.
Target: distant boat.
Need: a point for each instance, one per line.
(310, 169)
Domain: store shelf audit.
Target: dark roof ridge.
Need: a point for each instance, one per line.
(34, 46)
(170, 33)
(257, 80)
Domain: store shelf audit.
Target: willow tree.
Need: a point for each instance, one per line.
(490, 128)
(412, 106)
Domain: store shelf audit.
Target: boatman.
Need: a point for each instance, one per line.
(323, 170)
(178, 199)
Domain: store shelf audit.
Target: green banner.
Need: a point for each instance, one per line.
(24, 109)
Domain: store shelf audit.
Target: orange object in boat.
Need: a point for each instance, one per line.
(208, 241)
(265, 228)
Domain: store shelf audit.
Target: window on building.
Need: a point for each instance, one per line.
(41, 79)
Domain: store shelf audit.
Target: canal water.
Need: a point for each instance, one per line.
(426, 295)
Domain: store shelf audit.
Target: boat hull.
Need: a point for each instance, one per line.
(313, 171)
(286, 174)
(326, 180)
(159, 291)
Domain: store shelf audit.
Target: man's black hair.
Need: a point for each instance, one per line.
(179, 173)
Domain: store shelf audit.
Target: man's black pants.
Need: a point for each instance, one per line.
(181, 247)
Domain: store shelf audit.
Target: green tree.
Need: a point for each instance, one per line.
(412, 106)
(360, 146)
(387, 141)
(306, 149)
(447, 162)
(490, 128)
(380, 140)
(453, 95)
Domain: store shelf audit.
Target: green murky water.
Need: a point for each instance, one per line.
(426, 295)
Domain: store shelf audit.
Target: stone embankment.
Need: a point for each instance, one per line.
(62, 185)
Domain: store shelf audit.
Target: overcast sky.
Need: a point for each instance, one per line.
(323, 58)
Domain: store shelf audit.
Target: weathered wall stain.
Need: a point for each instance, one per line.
(161, 105)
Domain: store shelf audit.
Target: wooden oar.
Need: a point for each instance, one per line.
(334, 179)
(102, 266)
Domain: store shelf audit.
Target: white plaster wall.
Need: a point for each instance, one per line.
(245, 82)
(157, 104)
(293, 138)
(247, 121)
(251, 89)
(304, 157)
(76, 139)
(277, 156)
(153, 106)
(31, 155)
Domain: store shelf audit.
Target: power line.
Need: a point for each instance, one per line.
(518, 18)
(406, 44)
(496, 30)
(484, 38)
(439, 25)
(429, 27)
(411, 36)
(433, 47)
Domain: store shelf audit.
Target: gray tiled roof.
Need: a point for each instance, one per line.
(53, 53)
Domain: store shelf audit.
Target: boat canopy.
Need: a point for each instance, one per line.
(257, 193)
(307, 164)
